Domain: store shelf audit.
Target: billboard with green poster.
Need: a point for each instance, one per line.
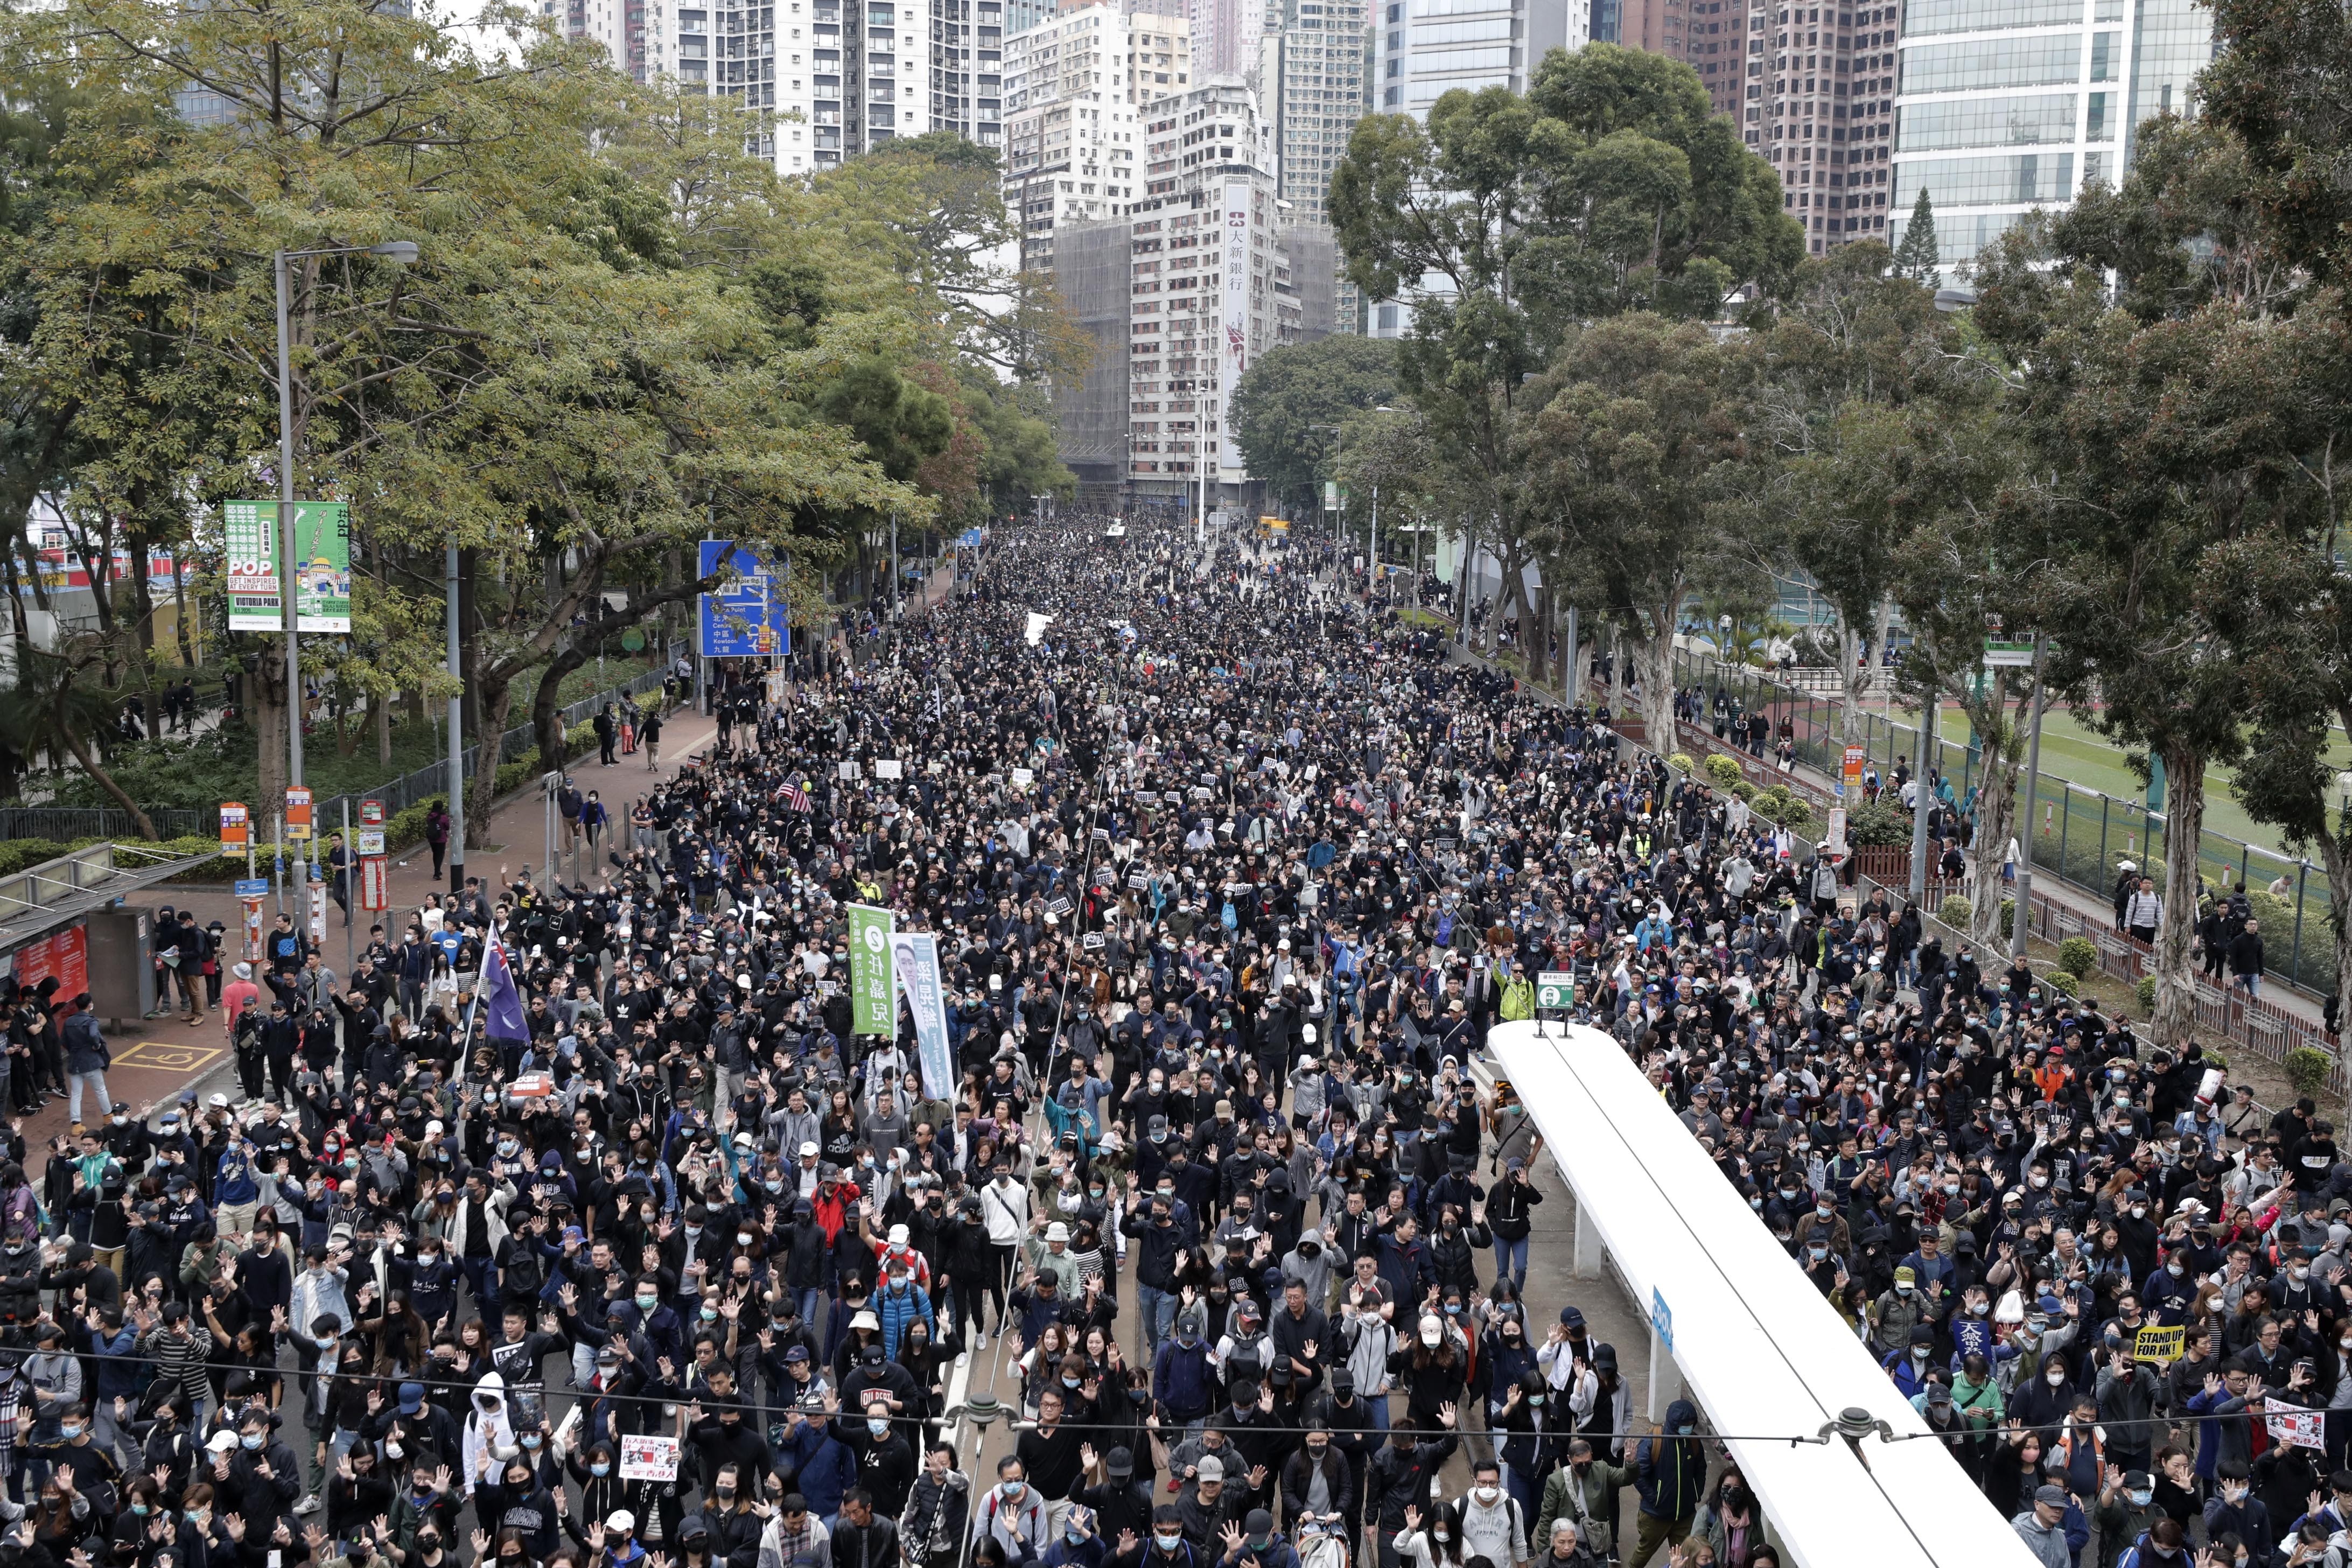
(252, 544)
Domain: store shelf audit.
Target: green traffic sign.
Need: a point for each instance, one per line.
(1555, 990)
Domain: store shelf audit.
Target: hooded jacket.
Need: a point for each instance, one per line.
(1669, 1471)
(489, 1433)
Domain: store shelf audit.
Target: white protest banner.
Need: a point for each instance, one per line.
(648, 1459)
(887, 768)
(2298, 1429)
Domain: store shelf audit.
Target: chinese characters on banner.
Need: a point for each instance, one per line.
(2298, 1429)
(1235, 297)
(648, 1458)
(323, 566)
(63, 955)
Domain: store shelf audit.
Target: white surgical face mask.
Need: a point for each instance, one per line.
(2055, 1376)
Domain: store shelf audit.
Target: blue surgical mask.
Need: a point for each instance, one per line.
(879, 1426)
(253, 1441)
(600, 1470)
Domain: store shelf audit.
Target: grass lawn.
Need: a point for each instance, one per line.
(2070, 751)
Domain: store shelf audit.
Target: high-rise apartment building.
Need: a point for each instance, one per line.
(1425, 49)
(967, 69)
(1214, 286)
(1075, 88)
(841, 76)
(2007, 107)
(1819, 107)
(1311, 83)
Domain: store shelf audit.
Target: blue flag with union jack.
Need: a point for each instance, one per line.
(503, 1016)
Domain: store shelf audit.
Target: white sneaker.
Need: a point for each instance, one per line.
(308, 1504)
(964, 1359)
(980, 1342)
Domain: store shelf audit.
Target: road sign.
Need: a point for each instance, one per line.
(370, 814)
(1555, 990)
(297, 812)
(1851, 779)
(375, 889)
(370, 840)
(253, 887)
(1662, 1320)
(2007, 655)
(745, 617)
(237, 828)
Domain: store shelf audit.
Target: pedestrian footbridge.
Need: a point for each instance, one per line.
(1846, 1473)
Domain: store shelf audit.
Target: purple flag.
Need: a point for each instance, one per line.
(501, 1002)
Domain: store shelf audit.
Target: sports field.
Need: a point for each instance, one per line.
(2070, 751)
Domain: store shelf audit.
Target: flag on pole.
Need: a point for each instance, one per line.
(795, 797)
(503, 1016)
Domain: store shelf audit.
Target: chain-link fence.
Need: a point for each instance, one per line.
(2079, 836)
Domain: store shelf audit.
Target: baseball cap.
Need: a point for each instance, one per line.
(1212, 1468)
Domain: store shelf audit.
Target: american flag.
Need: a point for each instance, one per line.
(795, 797)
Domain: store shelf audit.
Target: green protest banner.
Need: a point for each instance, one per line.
(873, 1005)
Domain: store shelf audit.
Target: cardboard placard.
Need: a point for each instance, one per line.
(648, 1458)
(2299, 1428)
(887, 768)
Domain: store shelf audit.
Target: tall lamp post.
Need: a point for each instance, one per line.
(400, 253)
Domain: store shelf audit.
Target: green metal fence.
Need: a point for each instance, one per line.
(2079, 836)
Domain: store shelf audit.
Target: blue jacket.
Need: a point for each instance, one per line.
(1180, 1379)
(85, 1043)
(120, 1370)
(234, 1183)
(813, 1464)
(898, 1308)
(1669, 1472)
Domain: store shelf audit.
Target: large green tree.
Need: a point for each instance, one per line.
(1291, 402)
(1510, 222)
(2160, 443)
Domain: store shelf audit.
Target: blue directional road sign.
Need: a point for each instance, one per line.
(745, 617)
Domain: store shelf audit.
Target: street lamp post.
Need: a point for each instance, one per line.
(400, 253)
(2022, 904)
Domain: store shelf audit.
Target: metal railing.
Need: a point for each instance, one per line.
(2079, 834)
(2269, 1030)
(65, 824)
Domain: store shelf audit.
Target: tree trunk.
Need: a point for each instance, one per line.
(384, 731)
(546, 707)
(80, 746)
(2184, 828)
(142, 600)
(1657, 655)
(1996, 811)
(1851, 673)
(497, 700)
(180, 609)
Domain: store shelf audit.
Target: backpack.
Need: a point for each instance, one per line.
(1518, 1000)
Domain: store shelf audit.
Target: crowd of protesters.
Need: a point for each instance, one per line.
(1231, 876)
